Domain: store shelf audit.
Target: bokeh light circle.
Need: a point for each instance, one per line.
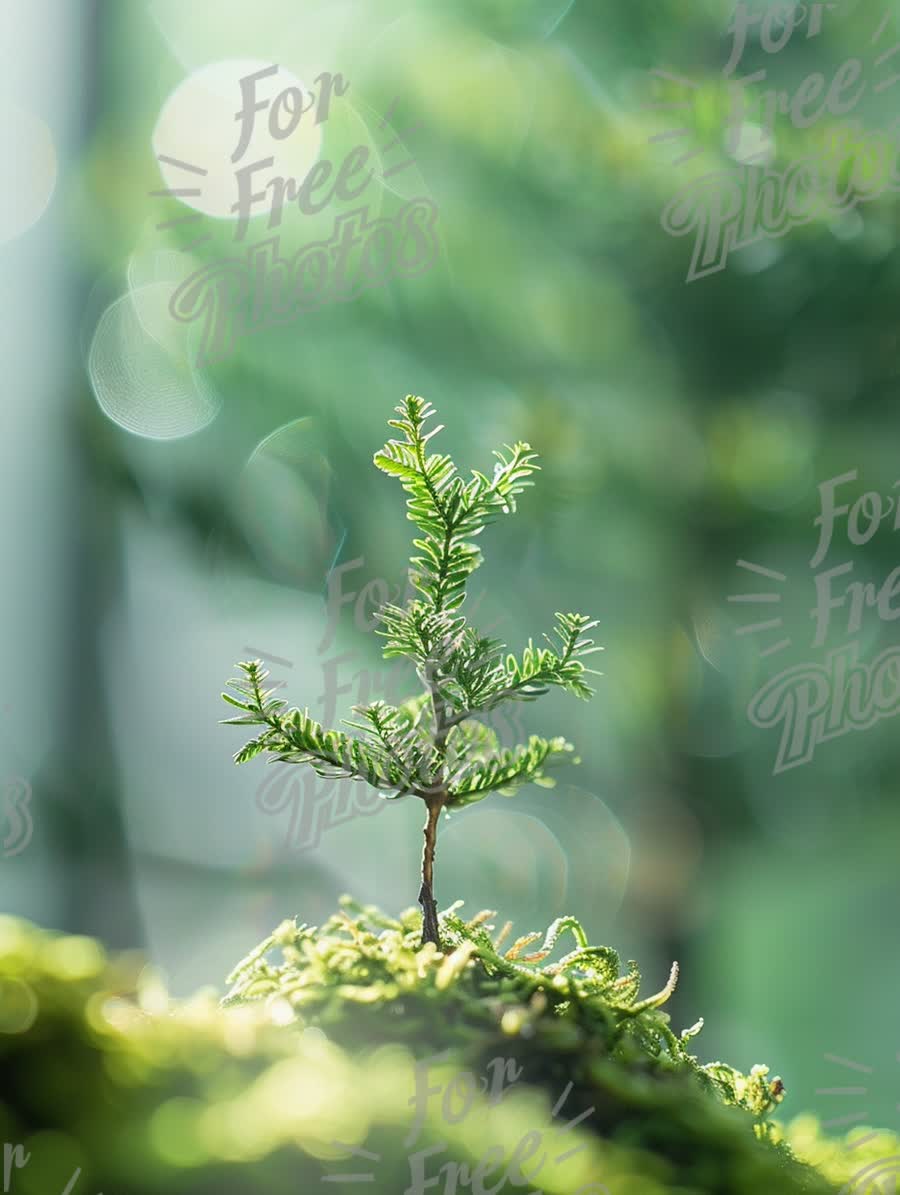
(142, 368)
(18, 1005)
(284, 505)
(26, 147)
(197, 126)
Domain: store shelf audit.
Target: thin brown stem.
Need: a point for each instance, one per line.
(435, 798)
(426, 893)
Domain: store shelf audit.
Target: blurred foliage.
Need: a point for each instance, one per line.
(108, 1075)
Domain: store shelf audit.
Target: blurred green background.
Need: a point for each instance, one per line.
(164, 519)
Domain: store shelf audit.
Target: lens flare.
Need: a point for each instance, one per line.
(200, 129)
(26, 146)
(141, 368)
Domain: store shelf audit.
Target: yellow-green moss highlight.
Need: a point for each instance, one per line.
(100, 1069)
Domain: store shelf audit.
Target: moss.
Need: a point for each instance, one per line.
(100, 1070)
(363, 979)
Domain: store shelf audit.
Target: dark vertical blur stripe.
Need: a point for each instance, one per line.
(88, 843)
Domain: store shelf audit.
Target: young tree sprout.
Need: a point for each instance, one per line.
(434, 746)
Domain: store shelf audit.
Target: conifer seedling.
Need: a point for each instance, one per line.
(436, 746)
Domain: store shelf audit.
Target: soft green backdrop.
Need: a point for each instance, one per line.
(683, 427)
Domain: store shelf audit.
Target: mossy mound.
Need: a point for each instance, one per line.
(577, 1021)
(557, 1073)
